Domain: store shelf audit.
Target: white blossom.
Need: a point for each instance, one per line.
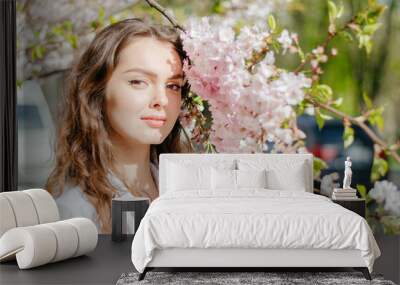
(386, 192)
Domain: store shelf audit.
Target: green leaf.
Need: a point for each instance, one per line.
(112, 19)
(275, 45)
(217, 7)
(318, 166)
(376, 119)
(379, 168)
(285, 124)
(101, 15)
(301, 54)
(272, 22)
(362, 190)
(58, 30)
(374, 11)
(207, 113)
(332, 11)
(210, 148)
(94, 25)
(299, 109)
(19, 83)
(363, 193)
(320, 120)
(325, 117)
(238, 26)
(347, 36)
(37, 52)
(362, 39)
(73, 40)
(341, 10)
(102, 12)
(348, 136)
(368, 46)
(367, 100)
(371, 29)
(322, 92)
(40, 50)
(67, 25)
(197, 100)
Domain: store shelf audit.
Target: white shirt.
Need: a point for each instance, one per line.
(74, 203)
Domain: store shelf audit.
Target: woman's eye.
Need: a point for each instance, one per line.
(138, 83)
(174, 87)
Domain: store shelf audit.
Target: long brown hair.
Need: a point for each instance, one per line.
(83, 150)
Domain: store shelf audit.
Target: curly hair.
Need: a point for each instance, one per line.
(83, 149)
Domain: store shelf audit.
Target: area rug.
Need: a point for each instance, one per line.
(229, 278)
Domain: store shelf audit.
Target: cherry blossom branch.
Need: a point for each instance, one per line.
(377, 140)
(324, 45)
(154, 4)
(332, 33)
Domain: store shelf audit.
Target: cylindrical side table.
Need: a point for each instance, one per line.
(138, 205)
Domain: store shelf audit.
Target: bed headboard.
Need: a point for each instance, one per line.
(270, 161)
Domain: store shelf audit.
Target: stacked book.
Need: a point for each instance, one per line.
(344, 194)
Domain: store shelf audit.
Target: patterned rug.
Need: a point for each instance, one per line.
(230, 278)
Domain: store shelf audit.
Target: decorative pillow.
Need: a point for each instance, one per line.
(282, 174)
(251, 178)
(181, 177)
(223, 179)
(293, 180)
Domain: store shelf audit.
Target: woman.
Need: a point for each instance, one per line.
(120, 113)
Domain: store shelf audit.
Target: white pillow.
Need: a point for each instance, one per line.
(293, 180)
(281, 174)
(223, 179)
(251, 178)
(182, 177)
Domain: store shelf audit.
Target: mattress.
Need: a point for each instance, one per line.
(250, 219)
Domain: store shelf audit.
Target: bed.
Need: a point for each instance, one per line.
(247, 210)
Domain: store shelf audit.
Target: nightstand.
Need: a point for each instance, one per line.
(138, 205)
(355, 205)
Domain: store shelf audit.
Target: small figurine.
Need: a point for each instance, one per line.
(347, 174)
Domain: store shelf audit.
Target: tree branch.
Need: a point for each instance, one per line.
(310, 55)
(324, 45)
(377, 140)
(154, 4)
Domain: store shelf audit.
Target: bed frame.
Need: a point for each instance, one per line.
(248, 259)
(242, 259)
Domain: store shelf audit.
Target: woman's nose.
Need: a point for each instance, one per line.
(159, 97)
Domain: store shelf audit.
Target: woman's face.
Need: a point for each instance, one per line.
(143, 95)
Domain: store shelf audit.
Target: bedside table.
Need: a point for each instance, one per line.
(356, 205)
(119, 207)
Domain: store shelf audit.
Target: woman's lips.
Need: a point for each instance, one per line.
(154, 122)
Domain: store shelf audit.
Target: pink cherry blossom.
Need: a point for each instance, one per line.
(248, 107)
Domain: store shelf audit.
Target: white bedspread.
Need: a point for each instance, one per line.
(250, 218)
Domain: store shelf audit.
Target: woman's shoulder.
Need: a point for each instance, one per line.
(73, 203)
